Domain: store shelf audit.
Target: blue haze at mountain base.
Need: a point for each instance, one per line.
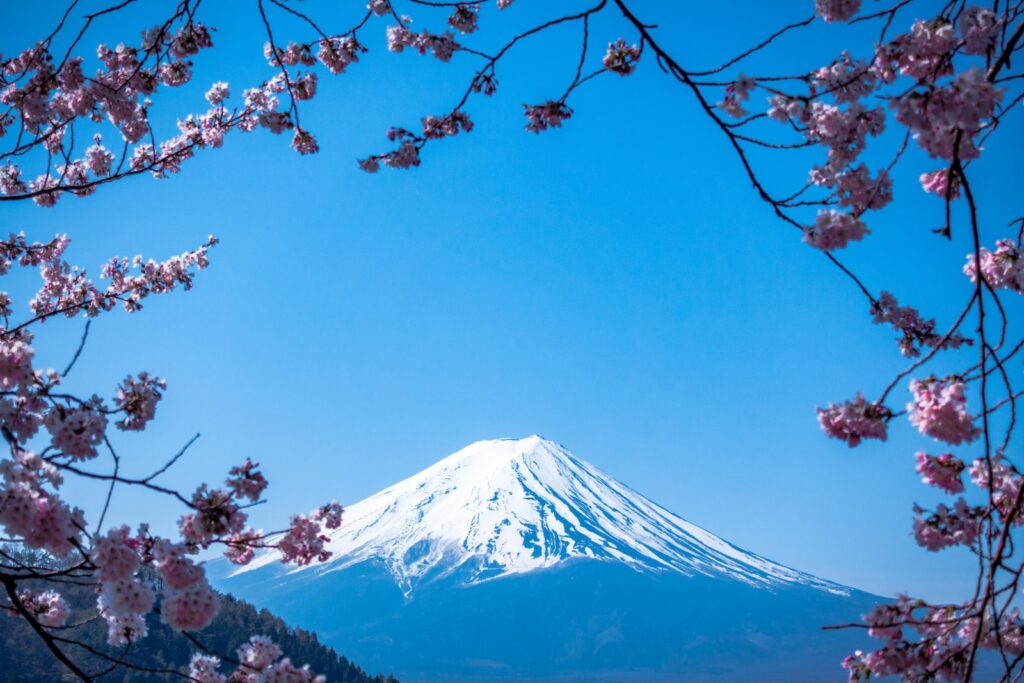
(585, 621)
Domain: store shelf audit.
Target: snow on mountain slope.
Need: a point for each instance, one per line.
(510, 506)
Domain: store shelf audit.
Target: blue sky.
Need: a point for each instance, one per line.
(614, 285)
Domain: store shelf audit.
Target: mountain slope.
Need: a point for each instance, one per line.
(511, 506)
(514, 560)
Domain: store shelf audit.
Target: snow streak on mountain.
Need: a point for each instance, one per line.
(512, 506)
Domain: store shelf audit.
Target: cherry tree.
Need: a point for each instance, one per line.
(939, 73)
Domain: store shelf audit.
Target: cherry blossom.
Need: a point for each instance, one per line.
(190, 608)
(621, 58)
(1001, 268)
(137, 398)
(942, 471)
(259, 653)
(916, 332)
(303, 542)
(836, 10)
(245, 481)
(464, 18)
(47, 607)
(77, 431)
(125, 597)
(834, 230)
(947, 526)
(846, 79)
(442, 46)
(124, 630)
(945, 120)
(203, 669)
(855, 188)
(330, 515)
(218, 92)
(939, 410)
(941, 182)
(115, 555)
(854, 421)
(979, 27)
(337, 53)
(548, 115)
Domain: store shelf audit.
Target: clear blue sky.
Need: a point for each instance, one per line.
(614, 285)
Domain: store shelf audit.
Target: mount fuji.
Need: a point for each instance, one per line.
(515, 560)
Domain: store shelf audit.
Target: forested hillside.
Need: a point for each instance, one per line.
(25, 659)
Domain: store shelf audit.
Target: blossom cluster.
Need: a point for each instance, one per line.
(621, 57)
(47, 607)
(939, 410)
(133, 571)
(258, 660)
(834, 230)
(736, 94)
(856, 420)
(1001, 269)
(943, 471)
(49, 98)
(442, 45)
(916, 332)
(548, 115)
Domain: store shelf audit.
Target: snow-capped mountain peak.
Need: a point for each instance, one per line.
(510, 506)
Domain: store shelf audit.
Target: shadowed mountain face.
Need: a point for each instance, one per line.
(513, 560)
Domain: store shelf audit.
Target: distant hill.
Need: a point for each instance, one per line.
(24, 658)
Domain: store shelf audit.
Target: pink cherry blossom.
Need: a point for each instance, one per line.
(175, 568)
(941, 183)
(304, 143)
(942, 471)
(137, 398)
(621, 58)
(191, 608)
(947, 526)
(303, 542)
(77, 431)
(854, 187)
(337, 53)
(124, 630)
(16, 361)
(215, 515)
(435, 128)
(98, 159)
(836, 10)
(939, 410)
(125, 597)
(40, 519)
(47, 607)
(442, 46)
(330, 515)
(464, 18)
(259, 653)
(917, 332)
(1000, 269)
(834, 230)
(548, 115)
(979, 27)
(203, 669)
(854, 421)
(379, 7)
(846, 79)
(115, 555)
(218, 92)
(941, 116)
(246, 481)
(241, 547)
